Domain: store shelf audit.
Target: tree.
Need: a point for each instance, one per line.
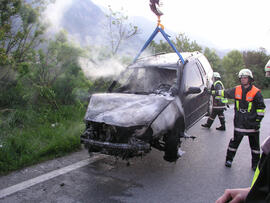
(20, 33)
(56, 72)
(255, 61)
(214, 60)
(119, 30)
(181, 42)
(232, 63)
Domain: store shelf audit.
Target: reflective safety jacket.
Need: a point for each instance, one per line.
(249, 107)
(219, 102)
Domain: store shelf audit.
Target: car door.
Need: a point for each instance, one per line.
(193, 93)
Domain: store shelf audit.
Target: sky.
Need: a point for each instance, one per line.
(230, 24)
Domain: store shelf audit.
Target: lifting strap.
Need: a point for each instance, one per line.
(159, 28)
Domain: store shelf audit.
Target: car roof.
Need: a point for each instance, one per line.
(166, 61)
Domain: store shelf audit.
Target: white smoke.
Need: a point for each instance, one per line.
(95, 68)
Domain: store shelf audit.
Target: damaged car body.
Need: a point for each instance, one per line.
(154, 102)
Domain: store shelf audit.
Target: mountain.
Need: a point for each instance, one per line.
(86, 21)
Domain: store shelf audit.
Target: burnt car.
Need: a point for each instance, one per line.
(154, 102)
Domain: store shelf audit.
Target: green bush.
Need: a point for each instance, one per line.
(31, 137)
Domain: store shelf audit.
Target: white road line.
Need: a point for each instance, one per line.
(26, 184)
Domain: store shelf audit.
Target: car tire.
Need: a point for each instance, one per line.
(171, 147)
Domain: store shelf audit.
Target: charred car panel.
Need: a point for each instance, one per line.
(151, 105)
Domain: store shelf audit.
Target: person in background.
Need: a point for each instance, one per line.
(260, 187)
(219, 105)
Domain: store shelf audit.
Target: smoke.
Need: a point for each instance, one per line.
(95, 68)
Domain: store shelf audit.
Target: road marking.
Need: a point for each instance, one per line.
(26, 184)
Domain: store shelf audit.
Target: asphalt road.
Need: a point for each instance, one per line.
(199, 176)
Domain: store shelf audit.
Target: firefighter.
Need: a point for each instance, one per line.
(260, 188)
(219, 105)
(249, 111)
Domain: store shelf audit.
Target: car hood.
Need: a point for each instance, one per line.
(125, 110)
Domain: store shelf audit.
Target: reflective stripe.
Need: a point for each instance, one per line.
(255, 151)
(219, 107)
(222, 93)
(245, 130)
(260, 112)
(232, 149)
(237, 105)
(224, 100)
(221, 97)
(249, 106)
(218, 81)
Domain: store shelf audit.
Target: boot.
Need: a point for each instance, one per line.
(206, 125)
(228, 163)
(222, 128)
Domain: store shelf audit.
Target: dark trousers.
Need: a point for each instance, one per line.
(219, 113)
(254, 143)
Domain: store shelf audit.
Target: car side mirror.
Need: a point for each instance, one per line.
(193, 90)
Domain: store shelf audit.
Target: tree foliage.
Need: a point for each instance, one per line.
(255, 61)
(20, 34)
(119, 30)
(232, 63)
(214, 60)
(181, 42)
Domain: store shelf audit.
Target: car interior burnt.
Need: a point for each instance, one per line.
(145, 80)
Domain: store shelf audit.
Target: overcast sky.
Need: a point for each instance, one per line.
(227, 24)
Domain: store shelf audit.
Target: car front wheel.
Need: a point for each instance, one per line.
(171, 146)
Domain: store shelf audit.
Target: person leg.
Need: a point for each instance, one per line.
(222, 120)
(210, 119)
(254, 143)
(232, 148)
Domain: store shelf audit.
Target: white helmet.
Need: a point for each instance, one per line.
(245, 72)
(267, 69)
(216, 75)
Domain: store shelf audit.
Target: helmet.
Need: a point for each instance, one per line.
(245, 72)
(216, 75)
(267, 69)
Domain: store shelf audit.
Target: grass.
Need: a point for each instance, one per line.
(31, 144)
